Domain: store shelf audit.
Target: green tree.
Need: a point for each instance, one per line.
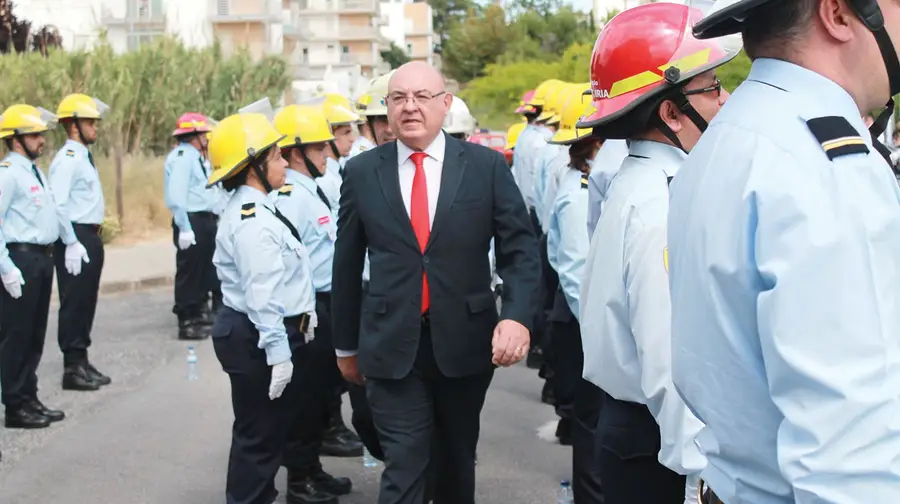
(476, 42)
(395, 56)
(733, 73)
(446, 13)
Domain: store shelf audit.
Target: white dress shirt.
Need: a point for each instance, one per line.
(434, 166)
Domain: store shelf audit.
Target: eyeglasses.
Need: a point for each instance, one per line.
(419, 98)
(717, 87)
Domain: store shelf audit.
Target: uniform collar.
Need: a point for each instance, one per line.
(332, 164)
(434, 151)
(296, 178)
(665, 156)
(191, 149)
(252, 195)
(808, 85)
(14, 158)
(78, 147)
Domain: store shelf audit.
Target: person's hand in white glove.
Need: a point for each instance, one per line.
(311, 330)
(281, 376)
(75, 255)
(13, 283)
(186, 239)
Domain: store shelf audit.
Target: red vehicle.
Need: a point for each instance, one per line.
(496, 141)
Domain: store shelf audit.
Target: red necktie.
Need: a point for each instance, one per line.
(418, 215)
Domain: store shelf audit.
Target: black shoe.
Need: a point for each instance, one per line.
(535, 358)
(331, 484)
(547, 395)
(334, 445)
(305, 490)
(97, 376)
(564, 431)
(207, 316)
(38, 407)
(25, 418)
(76, 377)
(338, 429)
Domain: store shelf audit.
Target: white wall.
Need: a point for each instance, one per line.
(395, 29)
(76, 20)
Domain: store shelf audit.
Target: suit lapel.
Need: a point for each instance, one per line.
(389, 179)
(451, 175)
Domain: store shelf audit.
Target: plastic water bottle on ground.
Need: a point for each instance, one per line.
(565, 493)
(192, 364)
(369, 462)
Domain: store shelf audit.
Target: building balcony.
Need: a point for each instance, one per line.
(296, 32)
(224, 12)
(355, 32)
(136, 22)
(420, 54)
(338, 6)
(419, 32)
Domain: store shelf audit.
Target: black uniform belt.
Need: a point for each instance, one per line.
(205, 215)
(31, 247)
(300, 322)
(90, 228)
(706, 495)
(323, 296)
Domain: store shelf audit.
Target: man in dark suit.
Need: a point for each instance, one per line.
(425, 339)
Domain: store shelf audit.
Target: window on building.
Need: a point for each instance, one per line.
(345, 49)
(408, 48)
(330, 47)
(305, 55)
(223, 7)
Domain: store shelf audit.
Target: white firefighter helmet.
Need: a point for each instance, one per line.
(459, 120)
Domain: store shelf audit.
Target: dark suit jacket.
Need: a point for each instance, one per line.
(478, 201)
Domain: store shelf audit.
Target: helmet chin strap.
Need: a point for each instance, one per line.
(28, 152)
(684, 105)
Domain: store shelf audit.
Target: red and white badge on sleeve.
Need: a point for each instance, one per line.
(325, 220)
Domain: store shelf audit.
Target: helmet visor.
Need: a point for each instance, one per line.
(693, 58)
(102, 108)
(262, 106)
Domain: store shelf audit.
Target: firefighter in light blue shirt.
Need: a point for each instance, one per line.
(79, 196)
(646, 432)
(306, 138)
(577, 401)
(29, 225)
(194, 223)
(603, 169)
(263, 331)
(784, 243)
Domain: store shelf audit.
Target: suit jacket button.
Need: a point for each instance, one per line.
(425, 260)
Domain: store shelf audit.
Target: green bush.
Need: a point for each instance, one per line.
(146, 89)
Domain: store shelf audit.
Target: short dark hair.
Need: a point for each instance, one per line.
(773, 29)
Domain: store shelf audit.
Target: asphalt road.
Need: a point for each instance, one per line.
(154, 437)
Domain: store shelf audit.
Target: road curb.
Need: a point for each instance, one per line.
(126, 286)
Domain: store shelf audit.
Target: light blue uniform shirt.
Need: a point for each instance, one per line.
(567, 243)
(330, 182)
(28, 213)
(546, 156)
(625, 304)
(525, 157)
(264, 270)
(786, 310)
(555, 170)
(316, 224)
(76, 185)
(603, 168)
(361, 144)
(185, 185)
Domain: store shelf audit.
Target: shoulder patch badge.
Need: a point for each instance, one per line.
(180, 152)
(248, 211)
(666, 258)
(584, 181)
(286, 190)
(70, 153)
(837, 136)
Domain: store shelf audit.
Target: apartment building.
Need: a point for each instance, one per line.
(410, 26)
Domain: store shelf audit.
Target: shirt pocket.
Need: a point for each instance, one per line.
(32, 199)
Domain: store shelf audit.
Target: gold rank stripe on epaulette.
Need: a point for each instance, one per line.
(248, 211)
(70, 153)
(666, 258)
(5, 164)
(837, 136)
(286, 190)
(180, 153)
(584, 181)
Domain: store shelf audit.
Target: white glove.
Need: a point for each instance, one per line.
(186, 239)
(311, 330)
(690, 489)
(281, 376)
(75, 255)
(13, 283)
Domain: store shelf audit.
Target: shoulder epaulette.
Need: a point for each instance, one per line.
(837, 136)
(363, 148)
(584, 181)
(180, 152)
(5, 164)
(248, 211)
(286, 190)
(70, 153)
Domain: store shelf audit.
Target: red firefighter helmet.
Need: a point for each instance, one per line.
(192, 122)
(523, 105)
(641, 55)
